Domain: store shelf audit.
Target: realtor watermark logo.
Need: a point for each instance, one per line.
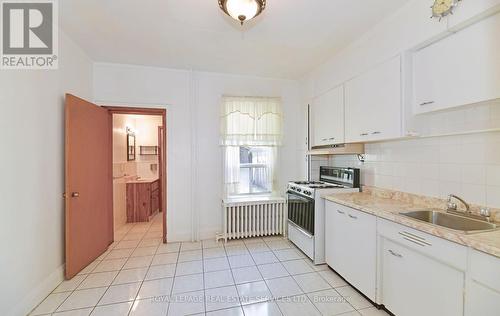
(29, 34)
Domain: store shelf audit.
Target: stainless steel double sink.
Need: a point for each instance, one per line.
(455, 222)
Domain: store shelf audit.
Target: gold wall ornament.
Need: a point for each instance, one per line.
(442, 8)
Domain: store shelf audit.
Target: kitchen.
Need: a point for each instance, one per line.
(335, 158)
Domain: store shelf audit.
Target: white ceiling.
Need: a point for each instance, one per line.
(289, 39)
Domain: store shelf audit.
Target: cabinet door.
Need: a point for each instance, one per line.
(360, 251)
(414, 284)
(350, 241)
(481, 300)
(155, 202)
(143, 206)
(483, 288)
(461, 69)
(373, 104)
(329, 229)
(328, 118)
(335, 234)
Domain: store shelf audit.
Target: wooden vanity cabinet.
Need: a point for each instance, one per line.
(143, 201)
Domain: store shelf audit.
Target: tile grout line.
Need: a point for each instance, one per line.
(173, 279)
(234, 280)
(142, 282)
(264, 280)
(76, 289)
(203, 258)
(149, 226)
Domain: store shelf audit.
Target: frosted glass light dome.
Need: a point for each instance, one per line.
(242, 10)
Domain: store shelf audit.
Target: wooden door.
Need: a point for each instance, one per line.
(89, 186)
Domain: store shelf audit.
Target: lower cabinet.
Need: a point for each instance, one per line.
(482, 294)
(351, 248)
(143, 200)
(414, 284)
(420, 274)
(408, 271)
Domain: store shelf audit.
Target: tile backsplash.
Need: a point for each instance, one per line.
(465, 165)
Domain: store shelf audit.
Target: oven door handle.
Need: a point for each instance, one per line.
(302, 230)
(302, 197)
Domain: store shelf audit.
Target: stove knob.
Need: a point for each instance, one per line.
(293, 188)
(299, 190)
(307, 192)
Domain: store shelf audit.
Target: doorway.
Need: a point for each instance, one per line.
(89, 170)
(139, 160)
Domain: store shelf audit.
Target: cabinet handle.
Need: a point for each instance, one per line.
(395, 254)
(332, 138)
(426, 103)
(324, 139)
(340, 212)
(376, 133)
(363, 134)
(352, 216)
(415, 239)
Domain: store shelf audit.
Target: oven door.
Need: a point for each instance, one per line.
(301, 212)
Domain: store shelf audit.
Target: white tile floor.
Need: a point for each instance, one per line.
(139, 275)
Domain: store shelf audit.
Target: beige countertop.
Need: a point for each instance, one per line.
(388, 204)
(141, 180)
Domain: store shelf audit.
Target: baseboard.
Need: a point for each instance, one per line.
(39, 293)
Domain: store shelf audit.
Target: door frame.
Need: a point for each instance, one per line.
(163, 153)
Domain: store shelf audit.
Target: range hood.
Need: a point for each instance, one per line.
(341, 149)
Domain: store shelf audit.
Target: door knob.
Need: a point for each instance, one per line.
(75, 194)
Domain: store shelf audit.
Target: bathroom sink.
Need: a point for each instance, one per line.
(455, 222)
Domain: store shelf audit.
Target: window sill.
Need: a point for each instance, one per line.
(253, 198)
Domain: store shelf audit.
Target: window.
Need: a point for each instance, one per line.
(255, 172)
(250, 134)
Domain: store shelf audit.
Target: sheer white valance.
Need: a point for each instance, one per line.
(251, 121)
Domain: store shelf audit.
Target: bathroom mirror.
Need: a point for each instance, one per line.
(130, 146)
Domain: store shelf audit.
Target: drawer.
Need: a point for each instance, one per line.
(485, 269)
(302, 240)
(354, 214)
(443, 250)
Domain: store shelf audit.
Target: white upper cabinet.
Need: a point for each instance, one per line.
(373, 104)
(327, 113)
(463, 68)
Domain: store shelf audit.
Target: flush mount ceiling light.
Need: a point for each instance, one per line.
(242, 10)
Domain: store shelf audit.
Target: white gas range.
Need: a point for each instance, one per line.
(306, 208)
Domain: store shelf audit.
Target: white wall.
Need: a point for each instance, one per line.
(32, 225)
(208, 180)
(467, 165)
(194, 157)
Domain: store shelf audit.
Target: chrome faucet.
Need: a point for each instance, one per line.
(454, 207)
